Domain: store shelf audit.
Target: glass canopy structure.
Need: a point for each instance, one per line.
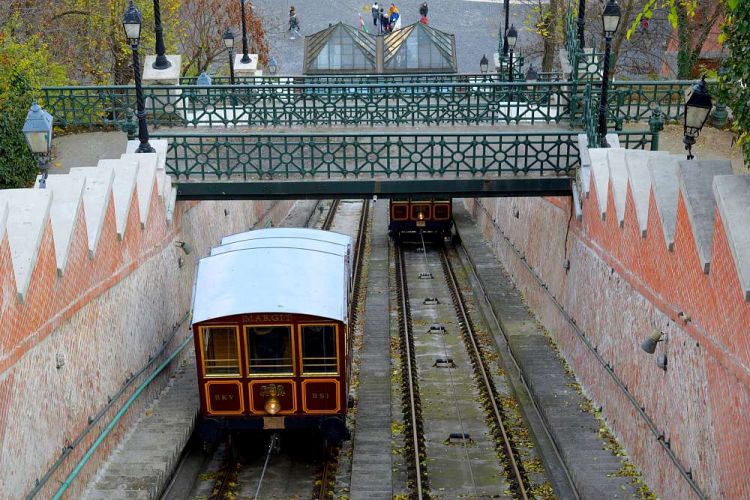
(417, 48)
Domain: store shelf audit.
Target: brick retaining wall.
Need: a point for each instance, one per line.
(618, 289)
(101, 319)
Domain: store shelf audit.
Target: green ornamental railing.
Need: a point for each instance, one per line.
(368, 155)
(585, 65)
(491, 77)
(314, 105)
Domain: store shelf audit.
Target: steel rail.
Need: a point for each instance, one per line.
(328, 222)
(481, 371)
(408, 361)
(521, 379)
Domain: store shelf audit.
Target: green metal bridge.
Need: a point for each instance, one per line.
(359, 135)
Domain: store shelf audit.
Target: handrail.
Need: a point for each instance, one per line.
(89, 453)
(94, 420)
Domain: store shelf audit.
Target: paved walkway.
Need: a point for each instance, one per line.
(371, 466)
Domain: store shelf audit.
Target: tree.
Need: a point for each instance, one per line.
(24, 67)
(734, 83)
(204, 22)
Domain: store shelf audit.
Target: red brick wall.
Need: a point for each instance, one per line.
(619, 288)
(104, 316)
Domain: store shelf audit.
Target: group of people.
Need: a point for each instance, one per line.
(386, 22)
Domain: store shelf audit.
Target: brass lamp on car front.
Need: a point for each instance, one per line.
(271, 393)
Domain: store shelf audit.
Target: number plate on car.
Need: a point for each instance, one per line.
(273, 422)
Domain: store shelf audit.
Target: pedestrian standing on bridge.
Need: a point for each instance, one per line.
(293, 23)
(375, 14)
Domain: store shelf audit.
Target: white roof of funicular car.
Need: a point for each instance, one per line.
(321, 246)
(290, 232)
(306, 279)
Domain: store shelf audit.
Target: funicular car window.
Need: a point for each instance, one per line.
(318, 348)
(220, 350)
(269, 349)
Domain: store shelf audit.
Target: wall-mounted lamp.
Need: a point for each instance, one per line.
(184, 246)
(649, 345)
(661, 361)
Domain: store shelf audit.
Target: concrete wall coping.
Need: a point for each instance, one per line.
(145, 180)
(703, 186)
(733, 199)
(664, 184)
(96, 196)
(123, 186)
(696, 188)
(600, 172)
(618, 175)
(28, 213)
(24, 212)
(640, 184)
(67, 202)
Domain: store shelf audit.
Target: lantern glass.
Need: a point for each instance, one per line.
(228, 39)
(38, 142)
(484, 64)
(697, 107)
(38, 130)
(695, 117)
(611, 17)
(512, 37)
(131, 22)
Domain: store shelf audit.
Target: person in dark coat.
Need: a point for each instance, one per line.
(375, 13)
(384, 23)
(423, 10)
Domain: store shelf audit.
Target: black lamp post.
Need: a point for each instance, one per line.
(38, 132)
(505, 31)
(228, 39)
(161, 61)
(131, 22)
(512, 39)
(697, 109)
(484, 64)
(581, 21)
(245, 56)
(610, 20)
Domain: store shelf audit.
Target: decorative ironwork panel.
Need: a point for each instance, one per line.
(356, 156)
(315, 105)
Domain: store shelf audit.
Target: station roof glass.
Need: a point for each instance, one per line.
(417, 48)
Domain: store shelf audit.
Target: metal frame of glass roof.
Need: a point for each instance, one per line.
(344, 49)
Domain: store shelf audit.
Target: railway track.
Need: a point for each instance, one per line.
(260, 480)
(479, 428)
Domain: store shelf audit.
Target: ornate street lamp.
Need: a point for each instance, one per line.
(610, 21)
(697, 109)
(512, 39)
(581, 21)
(245, 56)
(131, 22)
(505, 31)
(161, 61)
(228, 39)
(484, 64)
(38, 132)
